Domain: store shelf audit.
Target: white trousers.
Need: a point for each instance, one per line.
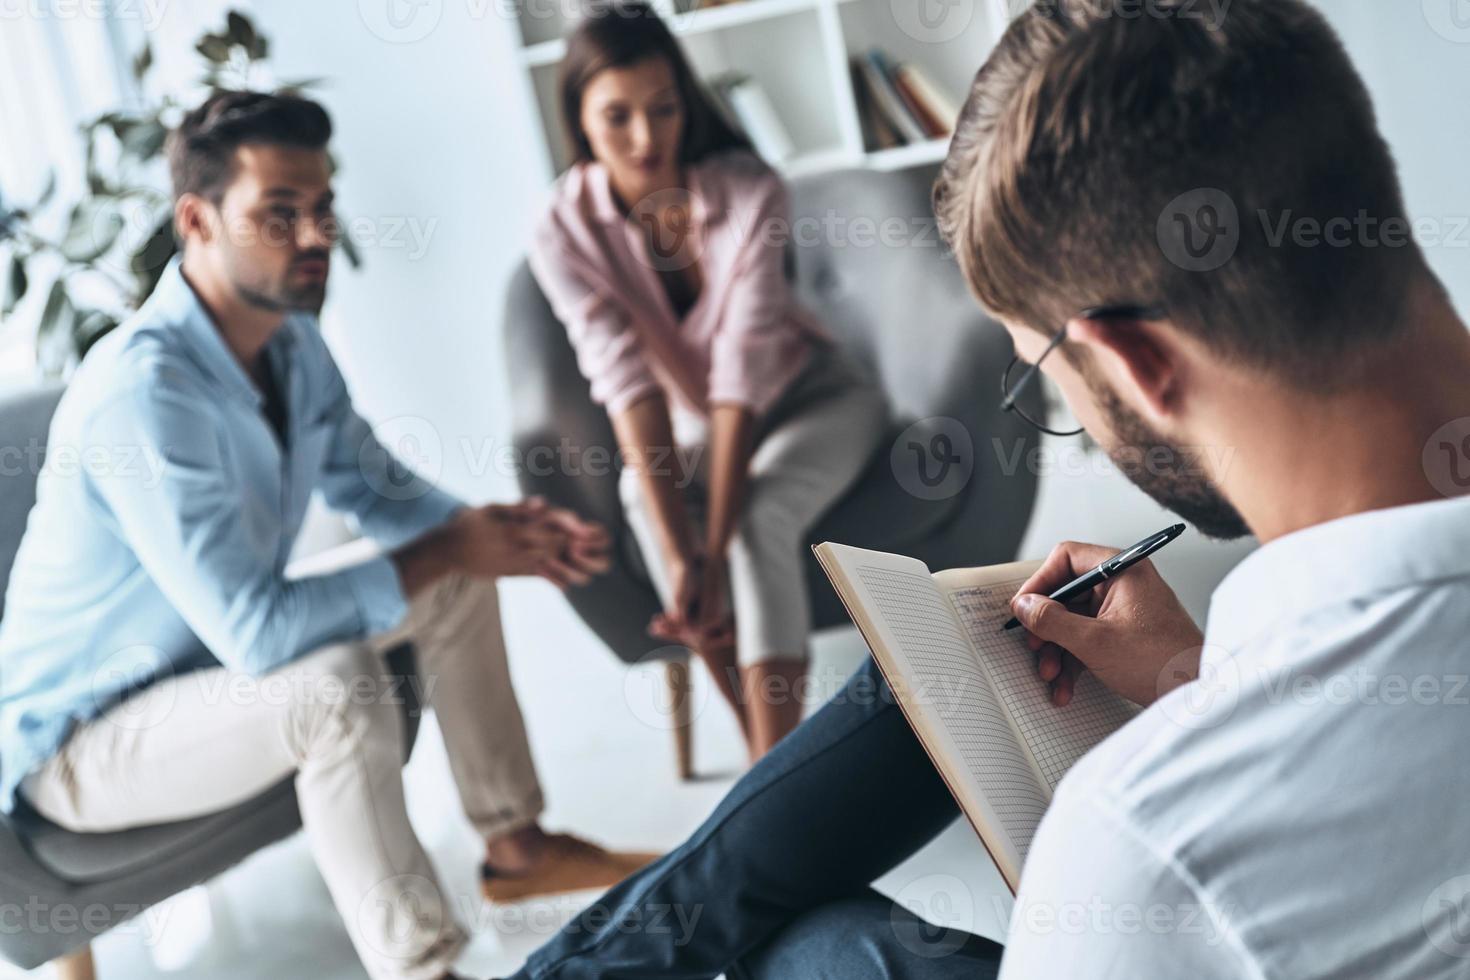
(810, 447)
(205, 741)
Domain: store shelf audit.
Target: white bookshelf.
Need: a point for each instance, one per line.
(798, 51)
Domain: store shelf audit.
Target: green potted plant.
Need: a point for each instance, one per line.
(117, 237)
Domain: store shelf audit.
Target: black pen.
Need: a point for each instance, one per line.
(1120, 562)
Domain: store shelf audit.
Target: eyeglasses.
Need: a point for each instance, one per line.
(1010, 393)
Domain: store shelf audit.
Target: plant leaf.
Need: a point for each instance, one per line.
(16, 284)
(57, 317)
(47, 193)
(90, 327)
(142, 61)
(214, 48)
(349, 250)
(92, 230)
(145, 139)
(299, 84)
(150, 258)
(239, 30)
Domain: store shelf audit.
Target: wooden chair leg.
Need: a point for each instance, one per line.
(76, 965)
(676, 676)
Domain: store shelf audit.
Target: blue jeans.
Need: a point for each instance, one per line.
(775, 884)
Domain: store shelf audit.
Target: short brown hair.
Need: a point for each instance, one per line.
(1085, 128)
(201, 150)
(622, 33)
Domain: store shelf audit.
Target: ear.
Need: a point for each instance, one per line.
(1143, 358)
(193, 219)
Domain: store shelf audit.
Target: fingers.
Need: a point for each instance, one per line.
(1052, 622)
(563, 574)
(662, 627)
(1066, 561)
(1049, 663)
(1065, 686)
(591, 561)
(574, 525)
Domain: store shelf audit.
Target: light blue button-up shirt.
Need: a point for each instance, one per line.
(165, 515)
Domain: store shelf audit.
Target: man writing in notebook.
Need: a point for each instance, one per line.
(1278, 807)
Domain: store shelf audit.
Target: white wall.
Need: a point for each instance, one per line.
(1415, 55)
(433, 130)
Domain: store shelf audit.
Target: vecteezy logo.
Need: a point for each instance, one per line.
(941, 451)
(654, 698)
(1445, 917)
(669, 226)
(934, 458)
(1203, 701)
(401, 21)
(1199, 231)
(402, 917)
(412, 464)
(933, 21)
(1450, 19)
(1446, 458)
(933, 916)
(126, 673)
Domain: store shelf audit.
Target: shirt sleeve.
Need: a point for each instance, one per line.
(756, 345)
(385, 497)
(601, 331)
(1098, 901)
(210, 547)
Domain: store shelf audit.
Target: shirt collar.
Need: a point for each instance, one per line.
(177, 303)
(1330, 563)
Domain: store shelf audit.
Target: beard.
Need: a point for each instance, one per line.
(279, 296)
(1173, 476)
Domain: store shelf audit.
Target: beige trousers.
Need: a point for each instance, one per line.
(205, 741)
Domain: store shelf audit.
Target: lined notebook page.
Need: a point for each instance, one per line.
(1056, 737)
(948, 687)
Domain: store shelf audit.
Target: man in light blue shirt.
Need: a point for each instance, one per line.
(152, 570)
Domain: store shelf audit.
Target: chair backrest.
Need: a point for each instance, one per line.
(25, 420)
(870, 263)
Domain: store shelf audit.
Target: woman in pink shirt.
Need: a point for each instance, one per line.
(663, 254)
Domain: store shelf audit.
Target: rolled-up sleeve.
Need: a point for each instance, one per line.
(601, 332)
(210, 545)
(758, 347)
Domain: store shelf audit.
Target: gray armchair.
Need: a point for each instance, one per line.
(84, 884)
(905, 311)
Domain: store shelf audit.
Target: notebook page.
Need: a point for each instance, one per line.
(1055, 737)
(946, 685)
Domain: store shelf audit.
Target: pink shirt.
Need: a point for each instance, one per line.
(744, 340)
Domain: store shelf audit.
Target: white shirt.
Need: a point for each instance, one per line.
(1300, 811)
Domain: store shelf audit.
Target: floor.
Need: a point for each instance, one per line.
(606, 761)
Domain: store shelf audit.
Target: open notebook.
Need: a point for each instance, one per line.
(970, 690)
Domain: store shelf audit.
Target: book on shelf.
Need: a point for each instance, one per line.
(878, 132)
(749, 109)
(939, 112)
(899, 101)
(873, 65)
(970, 690)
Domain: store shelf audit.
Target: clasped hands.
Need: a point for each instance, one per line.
(699, 617)
(530, 538)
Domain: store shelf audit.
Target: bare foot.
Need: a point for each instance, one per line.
(720, 662)
(773, 703)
